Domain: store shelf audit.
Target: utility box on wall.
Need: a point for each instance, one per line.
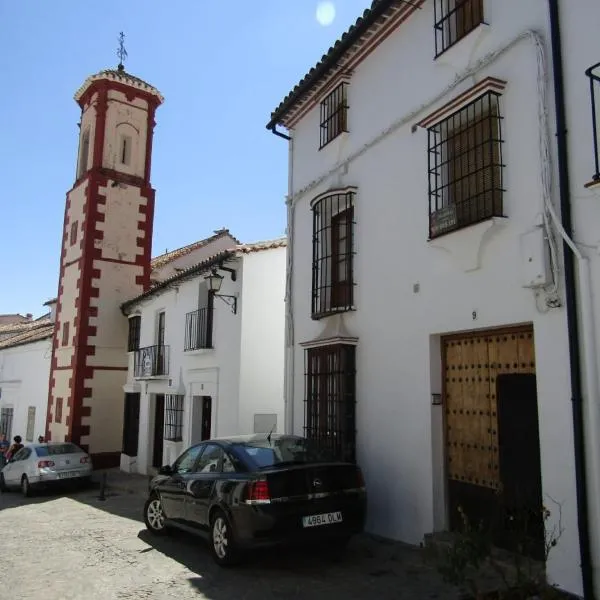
(535, 268)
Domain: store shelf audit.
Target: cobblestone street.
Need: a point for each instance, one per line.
(78, 547)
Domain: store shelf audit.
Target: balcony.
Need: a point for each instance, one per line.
(593, 73)
(198, 329)
(151, 361)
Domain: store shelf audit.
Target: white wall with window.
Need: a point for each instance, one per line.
(24, 375)
(204, 365)
(449, 175)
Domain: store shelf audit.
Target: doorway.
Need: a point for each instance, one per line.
(159, 422)
(491, 432)
(201, 418)
(131, 424)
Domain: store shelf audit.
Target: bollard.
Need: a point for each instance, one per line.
(102, 495)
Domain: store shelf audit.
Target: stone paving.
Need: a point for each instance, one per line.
(63, 547)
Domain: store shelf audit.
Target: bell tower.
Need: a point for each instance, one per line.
(105, 260)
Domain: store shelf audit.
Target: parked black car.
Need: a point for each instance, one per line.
(252, 491)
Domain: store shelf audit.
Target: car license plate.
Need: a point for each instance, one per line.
(324, 519)
(68, 474)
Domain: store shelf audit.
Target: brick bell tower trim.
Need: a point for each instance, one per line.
(105, 260)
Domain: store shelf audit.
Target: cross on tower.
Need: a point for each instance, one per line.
(121, 52)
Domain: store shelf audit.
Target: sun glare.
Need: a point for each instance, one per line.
(325, 13)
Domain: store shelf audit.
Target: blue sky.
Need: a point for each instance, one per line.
(222, 67)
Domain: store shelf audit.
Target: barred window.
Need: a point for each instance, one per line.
(30, 424)
(74, 227)
(330, 404)
(334, 114)
(454, 19)
(173, 418)
(333, 250)
(6, 421)
(465, 166)
(133, 341)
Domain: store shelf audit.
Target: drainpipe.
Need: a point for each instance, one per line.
(571, 254)
(289, 362)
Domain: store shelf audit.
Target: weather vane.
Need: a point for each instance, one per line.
(121, 52)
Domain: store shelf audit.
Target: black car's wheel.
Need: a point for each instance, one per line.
(154, 516)
(222, 542)
(25, 486)
(3, 487)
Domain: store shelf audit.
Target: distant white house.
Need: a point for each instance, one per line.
(432, 322)
(205, 363)
(25, 351)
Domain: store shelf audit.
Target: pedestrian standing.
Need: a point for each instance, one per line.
(17, 445)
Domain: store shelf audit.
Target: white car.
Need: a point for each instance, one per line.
(41, 465)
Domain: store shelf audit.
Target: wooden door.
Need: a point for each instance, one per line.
(159, 422)
(472, 364)
(206, 417)
(131, 424)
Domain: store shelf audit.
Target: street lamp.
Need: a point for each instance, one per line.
(214, 281)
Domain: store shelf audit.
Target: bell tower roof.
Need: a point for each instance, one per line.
(119, 75)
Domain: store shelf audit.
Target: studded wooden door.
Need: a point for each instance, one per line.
(471, 365)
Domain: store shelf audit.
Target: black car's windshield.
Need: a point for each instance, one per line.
(55, 449)
(284, 451)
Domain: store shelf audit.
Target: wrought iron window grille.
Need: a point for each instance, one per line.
(133, 340)
(453, 20)
(593, 74)
(334, 114)
(151, 361)
(173, 430)
(6, 421)
(465, 166)
(198, 329)
(330, 399)
(333, 254)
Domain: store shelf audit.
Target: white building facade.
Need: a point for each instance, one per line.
(206, 363)
(25, 352)
(426, 313)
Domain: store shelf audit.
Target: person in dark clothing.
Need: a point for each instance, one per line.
(4, 446)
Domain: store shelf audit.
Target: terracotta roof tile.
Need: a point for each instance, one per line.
(29, 333)
(163, 259)
(13, 318)
(264, 245)
(205, 265)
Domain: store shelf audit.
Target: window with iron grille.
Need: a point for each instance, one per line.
(454, 19)
(334, 114)
(73, 237)
(333, 252)
(173, 418)
(465, 166)
(30, 424)
(330, 404)
(6, 421)
(133, 340)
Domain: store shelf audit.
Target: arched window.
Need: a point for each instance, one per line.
(333, 251)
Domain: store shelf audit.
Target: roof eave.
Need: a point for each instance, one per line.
(329, 60)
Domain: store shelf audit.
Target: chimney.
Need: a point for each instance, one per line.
(29, 316)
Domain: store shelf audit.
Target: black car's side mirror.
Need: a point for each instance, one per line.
(165, 470)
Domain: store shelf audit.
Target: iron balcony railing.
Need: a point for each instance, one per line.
(593, 73)
(198, 329)
(151, 361)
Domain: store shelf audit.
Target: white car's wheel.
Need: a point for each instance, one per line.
(25, 486)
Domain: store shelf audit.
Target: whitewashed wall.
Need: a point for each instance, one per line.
(262, 338)
(24, 376)
(216, 372)
(475, 269)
